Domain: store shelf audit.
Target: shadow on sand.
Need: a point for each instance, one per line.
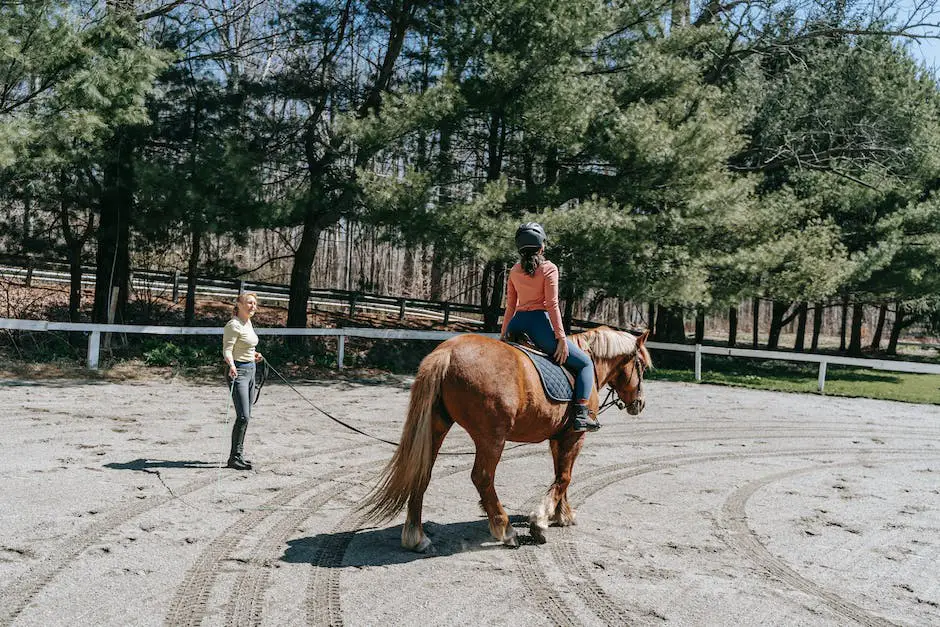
(149, 464)
(382, 547)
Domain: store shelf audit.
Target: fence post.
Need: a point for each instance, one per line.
(352, 304)
(446, 313)
(401, 308)
(822, 376)
(176, 286)
(241, 287)
(698, 362)
(94, 344)
(340, 351)
(29, 271)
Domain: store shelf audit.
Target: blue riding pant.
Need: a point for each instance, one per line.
(539, 329)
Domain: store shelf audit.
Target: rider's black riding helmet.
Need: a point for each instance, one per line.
(530, 235)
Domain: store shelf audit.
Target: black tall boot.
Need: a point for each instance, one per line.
(235, 459)
(582, 420)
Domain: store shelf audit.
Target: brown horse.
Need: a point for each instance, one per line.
(493, 391)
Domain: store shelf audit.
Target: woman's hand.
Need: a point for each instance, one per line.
(561, 351)
(232, 371)
(258, 357)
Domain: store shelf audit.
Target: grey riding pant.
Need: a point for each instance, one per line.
(244, 389)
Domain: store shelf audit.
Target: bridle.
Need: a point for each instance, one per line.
(613, 399)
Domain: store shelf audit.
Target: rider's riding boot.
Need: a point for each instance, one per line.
(582, 420)
(238, 440)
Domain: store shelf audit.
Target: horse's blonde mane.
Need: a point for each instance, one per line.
(607, 343)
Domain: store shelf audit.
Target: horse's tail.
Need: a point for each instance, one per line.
(409, 470)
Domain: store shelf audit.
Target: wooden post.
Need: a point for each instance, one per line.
(29, 272)
(446, 314)
(401, 308)
(340, 351)
(352, 304)
(176, 286)
(94, 345)
(698, 362)
(822, 376)
(241, 287)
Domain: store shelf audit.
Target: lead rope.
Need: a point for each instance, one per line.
(360, 431)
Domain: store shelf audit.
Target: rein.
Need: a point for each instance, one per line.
(611, 400)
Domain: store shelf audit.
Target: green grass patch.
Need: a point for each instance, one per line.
(801, 377)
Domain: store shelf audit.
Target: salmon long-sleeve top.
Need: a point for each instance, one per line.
(533, 293)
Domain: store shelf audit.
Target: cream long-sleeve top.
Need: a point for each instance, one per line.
(533, 293)
(239, 340)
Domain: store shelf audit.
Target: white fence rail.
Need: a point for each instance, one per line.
(95, 331)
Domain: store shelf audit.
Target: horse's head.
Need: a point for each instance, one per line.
(628, 381)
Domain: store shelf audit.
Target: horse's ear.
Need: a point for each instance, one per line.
(640, 341)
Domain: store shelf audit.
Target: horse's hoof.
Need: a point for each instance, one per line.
(510, 539)
(425, 546)
(537, 534)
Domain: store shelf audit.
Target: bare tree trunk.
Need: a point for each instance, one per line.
(438, 268)
(113, 253)
(858, 316)
(845, 318)
(778, 310)
(699, 325)
(300, 274)
(568, 311)
(896, 328)
(800, 341)
(755, 315)
(670, 325)
(408, 272)
(192, 273)
(817, 326)
(732, 326)
(879, 328)
(491, 295)
(26, 245)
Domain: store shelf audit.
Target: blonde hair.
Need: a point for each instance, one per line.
(242, 298)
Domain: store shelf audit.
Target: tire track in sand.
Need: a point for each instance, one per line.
(565, 554)
(189, 605)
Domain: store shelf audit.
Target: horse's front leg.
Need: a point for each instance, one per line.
(483, 476)
(554, 507)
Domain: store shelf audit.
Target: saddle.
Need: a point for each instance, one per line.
(557, 381)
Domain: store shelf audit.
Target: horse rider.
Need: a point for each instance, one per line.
(532, 308)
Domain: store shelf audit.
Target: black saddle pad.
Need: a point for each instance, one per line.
(555, 380)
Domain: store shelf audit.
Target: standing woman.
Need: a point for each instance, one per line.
(532, 307)
(238, 350)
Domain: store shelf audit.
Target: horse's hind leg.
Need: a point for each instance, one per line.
(483, 475)
(412, 533)
(554, 506)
